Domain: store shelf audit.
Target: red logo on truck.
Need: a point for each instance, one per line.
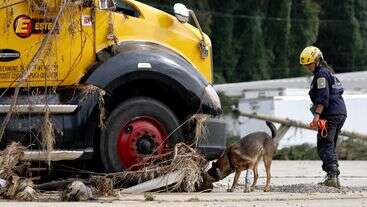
(23, 26)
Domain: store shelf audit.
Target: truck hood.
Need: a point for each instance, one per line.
(157, 17)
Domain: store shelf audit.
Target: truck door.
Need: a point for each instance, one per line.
(23, 26)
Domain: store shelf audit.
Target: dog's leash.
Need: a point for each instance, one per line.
(322, 126)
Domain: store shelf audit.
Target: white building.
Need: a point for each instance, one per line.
(288, 98)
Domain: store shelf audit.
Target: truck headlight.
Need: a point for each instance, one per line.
(213, 96)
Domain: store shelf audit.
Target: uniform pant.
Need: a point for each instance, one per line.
(326, 146)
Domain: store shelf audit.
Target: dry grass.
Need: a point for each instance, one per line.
(37, 5)
(25, 191)
(48, 136)
(20, 189)
(9, 159)
(183, 158)
(88, 90)
(191, 164)
(200, 132)
(17, 188)
(102, 185)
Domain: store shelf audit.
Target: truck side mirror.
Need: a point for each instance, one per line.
(181, 13)
(107, 4)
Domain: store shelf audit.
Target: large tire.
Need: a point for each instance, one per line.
(135, 129)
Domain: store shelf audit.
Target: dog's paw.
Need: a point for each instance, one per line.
(267, 189)
(230, 190)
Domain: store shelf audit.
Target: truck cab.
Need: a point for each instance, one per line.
(117, 80)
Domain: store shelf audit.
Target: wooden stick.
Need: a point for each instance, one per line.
(162, 181)
(56, 155)
(297, 124)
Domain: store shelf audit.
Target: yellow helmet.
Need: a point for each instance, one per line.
(310, 55)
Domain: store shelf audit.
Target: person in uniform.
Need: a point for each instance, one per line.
(328, 104)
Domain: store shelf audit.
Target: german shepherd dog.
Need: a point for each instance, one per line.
(245, 155)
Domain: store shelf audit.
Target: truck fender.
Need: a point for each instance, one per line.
(136, 60)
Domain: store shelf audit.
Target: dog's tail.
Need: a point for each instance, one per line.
(272, 129)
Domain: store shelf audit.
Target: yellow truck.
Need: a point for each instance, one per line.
(155, 71)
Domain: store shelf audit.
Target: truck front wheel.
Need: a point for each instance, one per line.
(138, 128)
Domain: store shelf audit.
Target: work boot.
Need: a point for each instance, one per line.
(331, 181)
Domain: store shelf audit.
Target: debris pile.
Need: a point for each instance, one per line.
(183, 168)
(102, 185)
(184, 171)
(21, 189)
(10, 160)
(77, 191)
(191, 165)
(13, 186)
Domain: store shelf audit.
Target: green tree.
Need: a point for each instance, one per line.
(277, 23)
(340, 36)
(222, 39)
(249, 46)
(361, 15)
(304, 32)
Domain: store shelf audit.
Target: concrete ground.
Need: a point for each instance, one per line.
(352, 173)
(294, 183)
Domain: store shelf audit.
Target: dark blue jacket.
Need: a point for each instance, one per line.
(327, 90)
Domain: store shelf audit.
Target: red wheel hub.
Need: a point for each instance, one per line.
(141, 137)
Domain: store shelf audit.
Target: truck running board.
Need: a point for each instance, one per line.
(56, 155)
(40, 108)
